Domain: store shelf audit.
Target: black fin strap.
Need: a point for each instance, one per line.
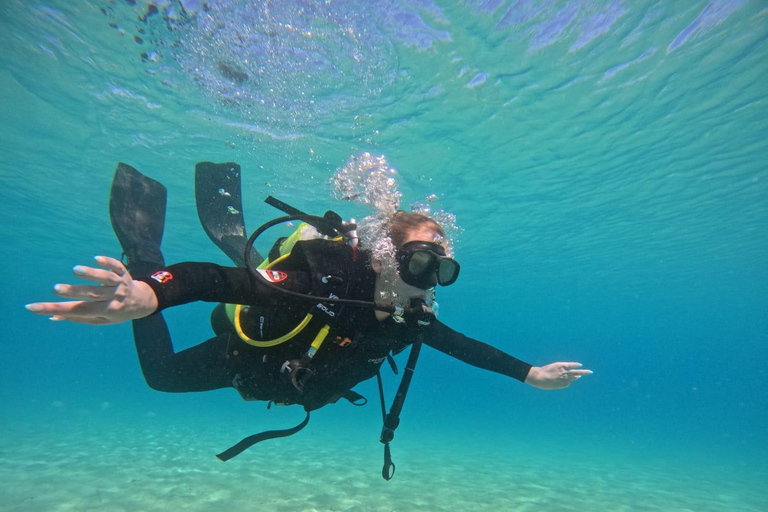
(257, 438)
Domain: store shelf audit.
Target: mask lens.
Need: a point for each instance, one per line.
(447, 272)
(420, 262)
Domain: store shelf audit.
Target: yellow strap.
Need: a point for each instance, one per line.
(269, 264)
(268, 343)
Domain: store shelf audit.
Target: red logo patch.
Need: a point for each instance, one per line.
(273, 276)
(162, 276)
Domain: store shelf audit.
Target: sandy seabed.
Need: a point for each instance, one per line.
(149, 466)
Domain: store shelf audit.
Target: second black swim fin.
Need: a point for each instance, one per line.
(220, 208)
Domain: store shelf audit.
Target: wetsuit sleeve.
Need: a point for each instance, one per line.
(188, 282)
(474, 352)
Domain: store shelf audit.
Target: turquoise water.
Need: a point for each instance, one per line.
(607, 162)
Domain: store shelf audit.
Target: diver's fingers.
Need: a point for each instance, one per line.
(82, 312)
(97, 293)
(56, 308)
(76, 309)
(569, 366)
(98, 320)
(579, 373)
(97, 275)
(112, 264)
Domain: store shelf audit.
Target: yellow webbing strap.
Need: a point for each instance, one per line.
(285, 247)
(269, 264)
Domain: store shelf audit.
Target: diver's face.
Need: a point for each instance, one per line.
(422, 234)
(393, 286)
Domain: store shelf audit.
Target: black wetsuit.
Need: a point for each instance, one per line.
(355, 349)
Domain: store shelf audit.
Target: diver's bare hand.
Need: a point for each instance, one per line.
(555, 375)
(116, 298)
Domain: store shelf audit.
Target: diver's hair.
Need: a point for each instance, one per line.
(403, 223)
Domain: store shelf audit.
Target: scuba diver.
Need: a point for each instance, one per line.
(304, 325)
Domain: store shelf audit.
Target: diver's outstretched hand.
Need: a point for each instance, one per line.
(117, 298)
(555, 375)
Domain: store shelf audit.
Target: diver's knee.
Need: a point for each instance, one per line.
(160, 383)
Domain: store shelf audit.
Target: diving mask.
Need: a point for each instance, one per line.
(425, 265)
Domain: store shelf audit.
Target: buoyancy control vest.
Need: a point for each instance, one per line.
(290, 333)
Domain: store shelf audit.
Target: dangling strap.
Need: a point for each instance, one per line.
(353, 398)
(257, 438)
(392, 364)
(392, 420)
(388, 471)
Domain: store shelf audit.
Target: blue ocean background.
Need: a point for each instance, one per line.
(607, 163)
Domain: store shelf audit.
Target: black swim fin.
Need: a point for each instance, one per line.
(220, 208)
(137, 211)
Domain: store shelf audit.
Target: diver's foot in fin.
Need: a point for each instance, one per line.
(137, 212)
(220, 208)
